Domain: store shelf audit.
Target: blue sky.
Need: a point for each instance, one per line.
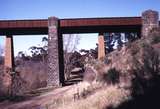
(42, 9)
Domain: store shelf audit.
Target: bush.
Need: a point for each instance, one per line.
(155, 35)
(112, 76)
(156, 39)
(145, 70)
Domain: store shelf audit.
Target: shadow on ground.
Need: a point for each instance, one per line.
(149, 100)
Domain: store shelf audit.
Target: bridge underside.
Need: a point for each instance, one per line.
(71, 30)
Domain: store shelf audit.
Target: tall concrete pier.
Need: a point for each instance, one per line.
(53, 54)
(9, 56)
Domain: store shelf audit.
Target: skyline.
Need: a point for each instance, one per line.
(40, 9)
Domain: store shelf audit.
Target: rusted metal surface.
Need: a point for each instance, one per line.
(23, 23)
(77, 25)
(71, 22)
(100, 21)
(23, 27)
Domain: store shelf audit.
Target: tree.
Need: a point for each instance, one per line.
(41, 52)
(116, 40)
(21, 54)
(70, 43)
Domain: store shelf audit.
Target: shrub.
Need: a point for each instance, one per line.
(154, 36)
(99, 99)
(146, 70)
(112, 76)
(156, 39)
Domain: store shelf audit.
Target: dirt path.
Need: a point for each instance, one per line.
(37, 102)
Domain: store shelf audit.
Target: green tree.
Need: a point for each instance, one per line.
(40, 52)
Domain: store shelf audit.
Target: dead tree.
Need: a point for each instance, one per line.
(70, 43)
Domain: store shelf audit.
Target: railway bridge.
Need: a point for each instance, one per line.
(55, 28)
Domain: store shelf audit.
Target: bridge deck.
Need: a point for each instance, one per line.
(77, 25)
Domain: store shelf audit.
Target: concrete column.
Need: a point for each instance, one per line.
(6, 80)
(9, 55)
(53, 53)
(101, 47)
(149, 21)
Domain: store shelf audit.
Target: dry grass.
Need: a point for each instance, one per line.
(110, 96)
(97, 97)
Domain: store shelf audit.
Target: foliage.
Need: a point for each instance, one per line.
(92, 53)
(41, 52)
(145, 70)
(156, 39)
(155, 35)
(71, 57)
(151, 60)
(118, 39)
(112, 76)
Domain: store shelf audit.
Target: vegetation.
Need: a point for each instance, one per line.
(155, 34)
(117, 40)
(99, 100)
(156, 39)
(112, 76)
(71, 57)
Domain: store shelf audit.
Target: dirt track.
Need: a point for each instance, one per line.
(38, 102)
